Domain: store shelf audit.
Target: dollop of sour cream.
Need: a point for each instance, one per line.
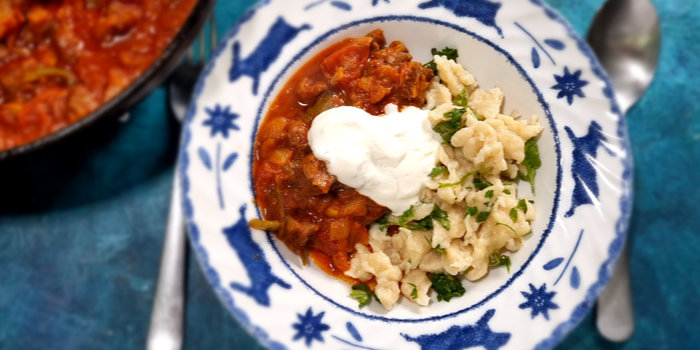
(386, 158)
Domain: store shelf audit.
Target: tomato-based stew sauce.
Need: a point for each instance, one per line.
(310, 211)
(62, 59)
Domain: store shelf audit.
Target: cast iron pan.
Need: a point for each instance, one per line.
(139, 88)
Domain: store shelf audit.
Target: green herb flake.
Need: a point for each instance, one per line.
(481, 183)
(513, 214)
(414, 292)
(447, 286)
(432, 66)
(440, 250)
(462, 99)
(423, 224)
(406, 216)
(440, 216)
(497, 259)
(449, 127)
(482, 216)
(383, 222)
(506, 192)
(406, 221)
(489, 194)
(426, 223)
(449, 53)
(438, 170)
(455, 114)
(471, 211)
(362, 294)
(522, 205)
(532, 162)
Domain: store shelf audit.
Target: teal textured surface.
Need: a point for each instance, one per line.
(81, 224)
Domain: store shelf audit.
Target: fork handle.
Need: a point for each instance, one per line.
(615, 313)
(165, 330)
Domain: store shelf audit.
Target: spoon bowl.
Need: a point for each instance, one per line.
(626, 37)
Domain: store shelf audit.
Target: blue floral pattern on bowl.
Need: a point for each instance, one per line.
(523, 47)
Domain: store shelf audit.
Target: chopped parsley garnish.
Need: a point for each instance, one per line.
(423, 224)
(440, 216)
(513, 214)
(506, 192)
(482, 216)
(455, 113)
(447, 286)
(438, 170)
(414, 292)
(449, 127)
(440, 250)
(471, 211)
(481, 183)
(449, 53)
(362, 294)
(489, 194)
(462, 99)
(522, 205)
(406, 216)
(532, 162)
(383, 222)
(497, 259)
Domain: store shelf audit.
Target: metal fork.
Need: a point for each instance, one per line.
(166, 326)
(182, 80)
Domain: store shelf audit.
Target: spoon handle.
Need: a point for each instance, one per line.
(165, 330)
(615, 314)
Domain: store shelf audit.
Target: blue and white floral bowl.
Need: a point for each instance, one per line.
(522, 46)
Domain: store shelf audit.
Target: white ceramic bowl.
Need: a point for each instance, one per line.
(583, 189)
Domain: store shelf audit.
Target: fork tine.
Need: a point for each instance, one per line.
(213, 36)
(190, 55)
(202, 45)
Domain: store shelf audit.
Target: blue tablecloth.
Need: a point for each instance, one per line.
(81, 225)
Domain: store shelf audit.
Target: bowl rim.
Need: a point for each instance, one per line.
(146, 82)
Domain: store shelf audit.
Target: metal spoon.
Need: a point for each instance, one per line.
(625, 36)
